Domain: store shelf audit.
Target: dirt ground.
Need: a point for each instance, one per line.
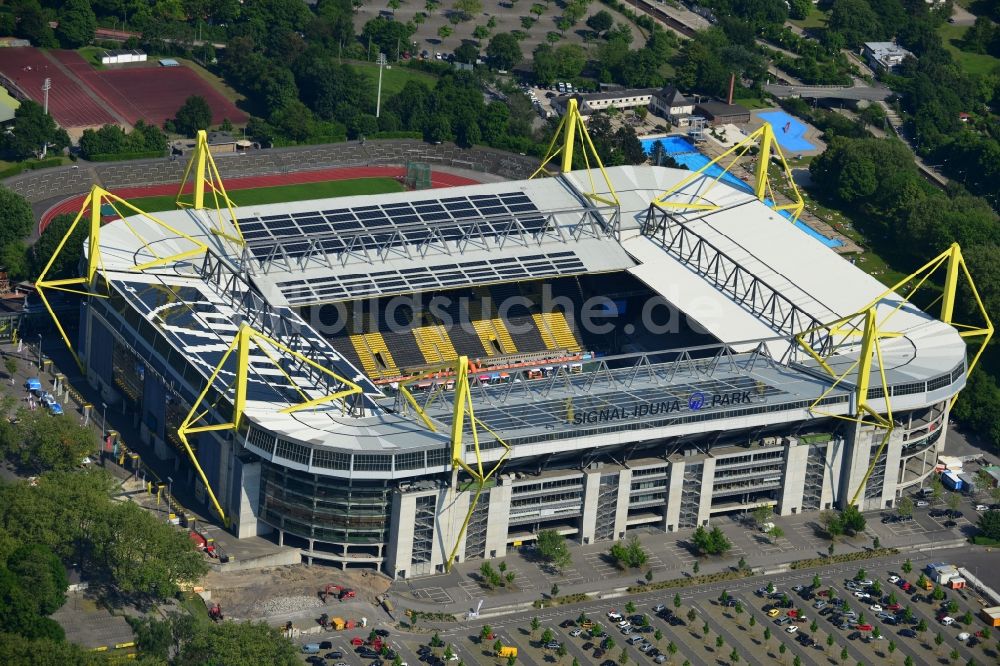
(246, 594)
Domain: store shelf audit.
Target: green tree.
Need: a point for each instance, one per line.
(658, 635)
(813, 627)
(762, 513)
(194, 115)
(600, 22)
(921, 626)
(892, 647)
(485, 632)
(954, 501)
(704, 630)
(905, 506)
(561, 651)
(466, 9)
(938, 593)
(908, 661)
(77, 24)
(907, 566)
(671, 649)
(535, 624)
(775, 533)
(623, 657)
(32, 129)
(734, 656)
(719, 642)
(547, 636)
(843, 654)
(691, 615)
(552, 547)
(989, 524)
(695, 567)
(767, 634)
(237, 643)
(817, 582)
(504, 51)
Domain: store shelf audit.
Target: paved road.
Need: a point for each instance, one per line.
(830, 92)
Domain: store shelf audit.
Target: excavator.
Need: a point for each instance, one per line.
(337, 591)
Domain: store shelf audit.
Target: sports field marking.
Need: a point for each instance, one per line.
(283, 193)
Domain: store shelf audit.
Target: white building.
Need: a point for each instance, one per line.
(671, 104)
(122, 57)
(884, 56)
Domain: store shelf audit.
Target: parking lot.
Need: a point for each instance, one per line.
(818, 639)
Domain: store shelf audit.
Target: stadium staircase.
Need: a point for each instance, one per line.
(555, 331)
(435, 344)
(367, 346)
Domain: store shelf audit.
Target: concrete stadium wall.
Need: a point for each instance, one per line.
(47, 185)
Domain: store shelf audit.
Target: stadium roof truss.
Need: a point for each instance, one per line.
(681, 196)
(766, 303)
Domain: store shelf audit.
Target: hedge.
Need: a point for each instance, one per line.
(844, 557)
(981, 540)
(561, 601)
(312, 141)
(693, 580)
(30, 166)
(118, 157)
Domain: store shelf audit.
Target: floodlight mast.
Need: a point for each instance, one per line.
(378, 100)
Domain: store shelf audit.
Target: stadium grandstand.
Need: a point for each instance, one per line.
(407, 380)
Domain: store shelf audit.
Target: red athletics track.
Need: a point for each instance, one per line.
(438, 180)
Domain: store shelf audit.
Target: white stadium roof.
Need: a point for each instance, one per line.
(361, 246)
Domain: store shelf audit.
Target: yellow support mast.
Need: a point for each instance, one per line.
(767, 147)
(245, 339)
(572, 129)
(865, 326)
(203, 169)
(462, 413)
(90, 214)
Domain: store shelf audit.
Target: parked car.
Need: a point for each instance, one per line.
(922, 503)
(894, 579)
(791, 629)
(908, 633)
(659, 608)
(553, 645)
(576, 632)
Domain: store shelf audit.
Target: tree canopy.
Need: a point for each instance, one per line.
(194, 115)
(552, 547)
(32, 129)
(77, 24)
(504, 51)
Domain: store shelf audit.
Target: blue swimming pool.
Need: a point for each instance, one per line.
(684, 152)
(789, 131)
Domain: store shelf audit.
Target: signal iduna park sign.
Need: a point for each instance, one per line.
(696, 401)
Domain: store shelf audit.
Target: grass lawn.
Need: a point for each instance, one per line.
(394, 77)
(92, 54)
(282, 193)
(195, 605)
(972, 63)
(815, 19)
(754, 103)
(218, 84)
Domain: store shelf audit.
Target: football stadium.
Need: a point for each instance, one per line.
(406, 380)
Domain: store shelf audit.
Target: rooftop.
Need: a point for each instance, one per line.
(197, 306)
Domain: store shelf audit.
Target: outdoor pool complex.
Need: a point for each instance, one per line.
(685, 154)
(788, 131)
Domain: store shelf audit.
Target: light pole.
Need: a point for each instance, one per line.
(170, 491)
(39, 351)
(104, 422)
(378, 100)
(46, 87)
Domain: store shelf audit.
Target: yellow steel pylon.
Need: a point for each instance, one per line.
(245, 338)
(84, 285)
(767, 146)
(202, 167)
(865, 326)
(461, 411)
(571, 128)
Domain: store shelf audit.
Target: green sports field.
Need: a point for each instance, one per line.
(282, 193)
